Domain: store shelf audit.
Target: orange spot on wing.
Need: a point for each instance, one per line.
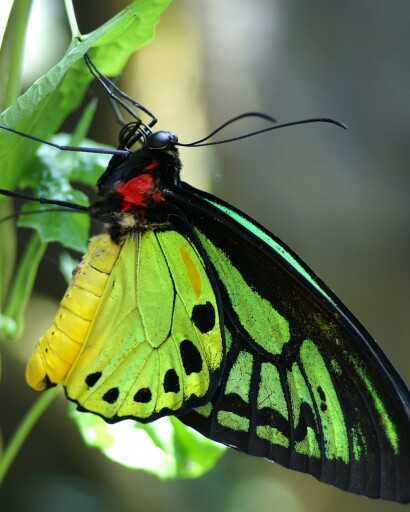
(193, 274)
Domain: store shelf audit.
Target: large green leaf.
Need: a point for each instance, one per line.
(44, 106)
(51, 175)
(165, 447)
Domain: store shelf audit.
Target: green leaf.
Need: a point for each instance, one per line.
(70, 229)
(51, 175)
(166, 447)
(52, 169)
(44, 106)
(84, 123)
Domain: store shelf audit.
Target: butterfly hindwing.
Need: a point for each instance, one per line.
(304, 384)
(154, 343)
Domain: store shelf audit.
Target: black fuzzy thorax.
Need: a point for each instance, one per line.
(122, 169)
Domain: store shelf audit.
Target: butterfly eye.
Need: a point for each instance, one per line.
(162, 140)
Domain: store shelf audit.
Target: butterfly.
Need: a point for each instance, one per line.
(185, 306)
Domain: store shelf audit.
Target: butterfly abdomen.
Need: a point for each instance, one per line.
(57, 350)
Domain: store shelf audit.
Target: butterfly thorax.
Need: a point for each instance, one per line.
(133, 189)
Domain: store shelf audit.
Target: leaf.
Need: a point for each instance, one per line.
(51, 175)
(166, 447)
(44, 106)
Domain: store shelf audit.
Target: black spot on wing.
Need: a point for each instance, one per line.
(111, 395)
(322, 396)
(306, 419)
(203, 317)
(191, 357)
(143, 396)
(92, 379)
(171, 382)
(321, 393)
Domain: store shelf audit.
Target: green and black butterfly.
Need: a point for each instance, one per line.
(185, 306)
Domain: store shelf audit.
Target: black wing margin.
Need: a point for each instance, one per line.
(326, 401)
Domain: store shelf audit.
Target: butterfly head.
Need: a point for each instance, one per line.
(162, 140)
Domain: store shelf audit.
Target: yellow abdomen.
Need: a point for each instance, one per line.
(57, 350)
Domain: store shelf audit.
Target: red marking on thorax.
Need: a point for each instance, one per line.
(151, 166)
(139, 191)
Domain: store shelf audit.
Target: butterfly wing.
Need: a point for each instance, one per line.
(151, 344)
(304, 384)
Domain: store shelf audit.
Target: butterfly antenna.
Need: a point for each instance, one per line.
(201, 142)
(81, 149)
(227, 123)
(133, 131)
(44, 200)
(35, 212)
(130, 133)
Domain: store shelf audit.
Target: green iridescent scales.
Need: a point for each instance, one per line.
(311, 353)
(304, 384)
(270, 330)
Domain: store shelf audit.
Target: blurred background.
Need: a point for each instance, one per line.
(339, 198)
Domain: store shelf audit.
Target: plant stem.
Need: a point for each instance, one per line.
(11, 63)
(72, 20)
(7, 250)
(24, 282)
(25, 427)
(12, 52)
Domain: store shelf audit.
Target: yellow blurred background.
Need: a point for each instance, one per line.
(339, 198)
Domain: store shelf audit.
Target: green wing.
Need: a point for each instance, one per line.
(304, 384)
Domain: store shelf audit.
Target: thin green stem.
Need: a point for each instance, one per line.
(12, 52)
(23, 430)
(11, 63)
(72, 20)
(24, 282)
(7, 250)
